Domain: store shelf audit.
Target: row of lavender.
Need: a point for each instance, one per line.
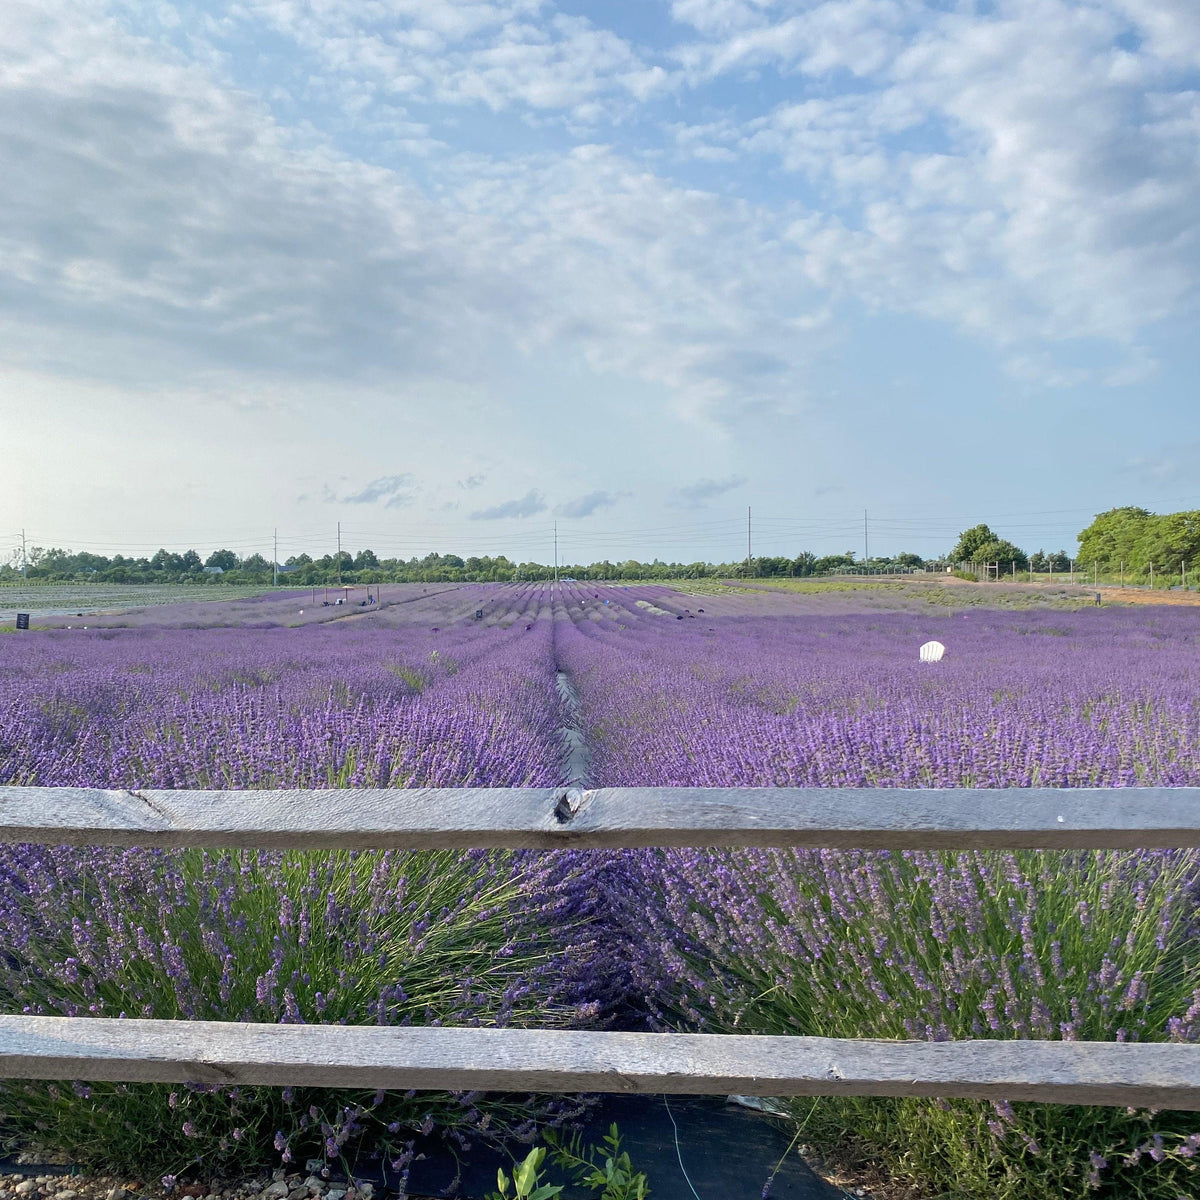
(377, 938)
(348, 705)
(1073, 946)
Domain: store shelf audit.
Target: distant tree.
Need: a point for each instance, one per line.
(1133, 539)
(768, 566)
(970, 542)
(1176, 539)
(1004, 554)
(167, 562)
(1059, 561)
(225, 559)
(1037, 561)
(365, 560)
(803, 564)
(1119, 535)
(255, 562)
(832, 562)
(192, 561)
(909, 560)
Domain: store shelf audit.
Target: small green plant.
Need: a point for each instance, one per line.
(604, 1169)
(526, 1180)
(614, 1180)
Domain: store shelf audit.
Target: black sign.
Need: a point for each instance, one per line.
(479, 614)
(22, 620)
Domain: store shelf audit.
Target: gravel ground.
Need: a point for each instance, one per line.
(276, 1186)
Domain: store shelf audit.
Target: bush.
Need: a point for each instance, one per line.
(1083, 946)
(361, 938)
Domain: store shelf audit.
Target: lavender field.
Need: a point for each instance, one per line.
(674, 689)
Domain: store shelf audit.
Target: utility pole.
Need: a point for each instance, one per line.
(275, 562)
(556, 552)
(1122, 572)
(24, 558)
(749, 554)
(339, 560)
(866, 543)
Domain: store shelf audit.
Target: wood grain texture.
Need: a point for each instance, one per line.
(867, 818)
(1140, 1074)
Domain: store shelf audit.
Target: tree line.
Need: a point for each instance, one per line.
(302, 570)
(1138, 544)
(1132, 543)
(1141, 544)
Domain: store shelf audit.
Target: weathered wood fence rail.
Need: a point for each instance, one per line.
(1159, 1075)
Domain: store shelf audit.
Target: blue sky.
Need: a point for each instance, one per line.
(447, 271)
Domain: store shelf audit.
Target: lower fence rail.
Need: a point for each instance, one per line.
(1143, 1075)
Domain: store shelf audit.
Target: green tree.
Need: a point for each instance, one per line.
(255, 564)
(971, 542)
(832, 562)
(164, 560)
(1120, 535)
(225, 559)
(1004, 554)
(1176, 540)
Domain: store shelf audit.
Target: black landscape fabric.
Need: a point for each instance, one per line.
(728, 1152)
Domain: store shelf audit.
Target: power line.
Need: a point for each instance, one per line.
(703, 538)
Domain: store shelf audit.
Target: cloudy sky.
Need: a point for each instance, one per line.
(448, 271)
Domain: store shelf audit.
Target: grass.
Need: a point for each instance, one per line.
(931, 592)
(34, 597)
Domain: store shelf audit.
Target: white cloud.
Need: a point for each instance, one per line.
(588, 505)
(158, 222)
(1024, 175)
(529, 505)
(1020, 174)
(1168, 465)
(859, 36)
(500, 54)
(698, 494)
(396, 491)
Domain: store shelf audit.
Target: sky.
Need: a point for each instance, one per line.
(451, 272)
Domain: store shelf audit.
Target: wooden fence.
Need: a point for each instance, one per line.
(1158, 1075)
